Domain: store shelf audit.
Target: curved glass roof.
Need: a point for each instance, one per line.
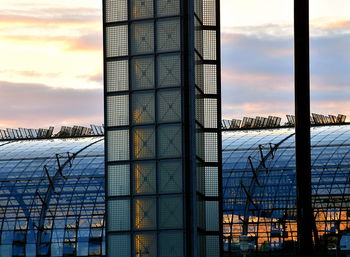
(259, 182)
(52, 197)
(52, 190)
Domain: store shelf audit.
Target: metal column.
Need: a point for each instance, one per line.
(302, 126)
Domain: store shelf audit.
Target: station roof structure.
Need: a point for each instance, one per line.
(52, 189)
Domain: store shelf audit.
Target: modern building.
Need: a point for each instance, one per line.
(52, 200)
(162, 117)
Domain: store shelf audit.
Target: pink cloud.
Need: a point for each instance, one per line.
(258, 79)
(36, 105)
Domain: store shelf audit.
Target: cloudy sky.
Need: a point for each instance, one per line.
(51, 60)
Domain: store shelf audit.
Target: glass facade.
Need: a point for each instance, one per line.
(162, 105)
(260, 194)
(52, 197)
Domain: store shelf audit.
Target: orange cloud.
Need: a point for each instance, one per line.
(338, 24)
(42, 16)
(88, 42)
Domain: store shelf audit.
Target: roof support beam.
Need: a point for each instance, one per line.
(302, 126)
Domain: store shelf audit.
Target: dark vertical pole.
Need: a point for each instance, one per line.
(302, 126)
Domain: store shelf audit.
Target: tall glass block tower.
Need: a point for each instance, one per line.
(162, 120)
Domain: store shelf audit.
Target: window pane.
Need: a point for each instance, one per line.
(144, 178)
(144, 143)
(118, 180)
(168, 7)
(170, 175)
(118, 215)
(169, 104)
(141, 9)
(142, 37)
(118, 145)
(117, 76)
(169, 71)
(168, 35)
(143, 108)
(117, 110)
(142, 76)
(117, 41)
(170, 212)
(116, 10)
(145, 213)
(171, 244)
(120, 245)
(145, 245)
(170, 141)
(212, 215)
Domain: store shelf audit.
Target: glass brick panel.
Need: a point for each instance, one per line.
(170, 141)
(142, 37)
(145, 213)
(212, 246)
(117, 41)
(212, 215)
(143, 108)
(118, 145)
(170, 212)
(142, 76)
(169, 105)
(118, 215)
(211, 147)
(116, 10)
(119, 245)
(171, 244)
(144, 143)
(209, 45)
(117, 110)
(145, 245)
(144, 178)
(117, 76)
(211, 181)
(118, 180)
(209, 12)
(210, 79)
(168, 35)
(169, 71)
(170, 176)
(210, 113)
(141, 9)
(168, 7)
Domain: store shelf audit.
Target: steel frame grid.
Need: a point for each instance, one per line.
(130, 91)
(26, 205)
(189, 164)
(330, 149)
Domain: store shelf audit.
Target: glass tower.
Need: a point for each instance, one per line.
(162, 120)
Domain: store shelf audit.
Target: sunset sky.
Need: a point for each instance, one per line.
(51, 60)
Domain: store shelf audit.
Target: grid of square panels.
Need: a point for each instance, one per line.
(207, 108)
(149, 87)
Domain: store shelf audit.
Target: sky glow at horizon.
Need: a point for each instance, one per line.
(51, 60)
